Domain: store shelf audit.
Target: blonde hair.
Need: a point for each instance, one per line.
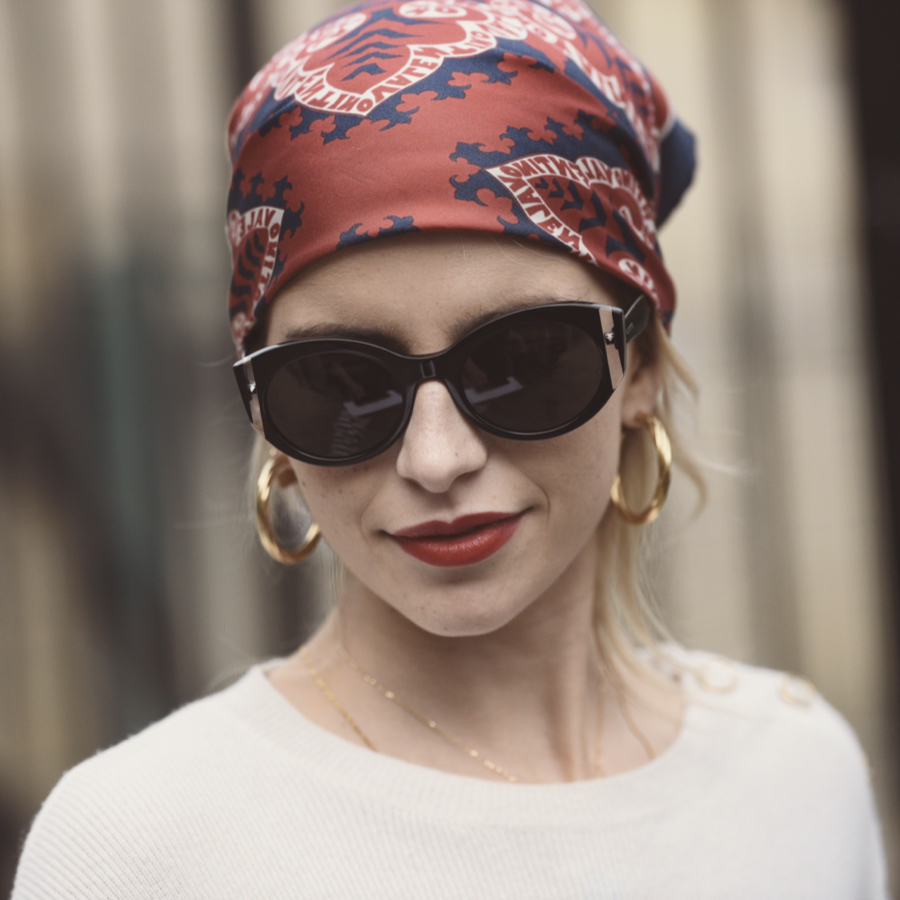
(627, 625)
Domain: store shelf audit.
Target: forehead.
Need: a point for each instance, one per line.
(421, 292)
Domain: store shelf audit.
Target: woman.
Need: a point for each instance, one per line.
(451, 309)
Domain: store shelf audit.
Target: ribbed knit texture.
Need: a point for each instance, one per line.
(239, 796)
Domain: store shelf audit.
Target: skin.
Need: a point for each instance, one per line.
(499, 653)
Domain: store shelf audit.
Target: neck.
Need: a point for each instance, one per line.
(529, 695)
(532, 683)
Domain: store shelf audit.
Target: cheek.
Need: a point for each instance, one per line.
(576, 472)
(337, 498)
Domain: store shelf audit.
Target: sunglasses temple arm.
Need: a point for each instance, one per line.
(636, 317)
(246, 382)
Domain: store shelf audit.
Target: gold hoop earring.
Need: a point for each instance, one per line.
(278, 469)
(664, 465)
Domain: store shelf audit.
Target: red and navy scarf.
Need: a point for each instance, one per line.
(515, 117)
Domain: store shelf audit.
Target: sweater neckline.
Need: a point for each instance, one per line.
(383, 779)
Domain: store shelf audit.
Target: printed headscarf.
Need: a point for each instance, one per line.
(515, 117)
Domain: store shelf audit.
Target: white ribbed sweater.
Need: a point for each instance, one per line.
(238, 796)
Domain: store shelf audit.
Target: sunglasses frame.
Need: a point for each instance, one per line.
(611, 328)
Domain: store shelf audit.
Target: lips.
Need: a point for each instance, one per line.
(462, 542)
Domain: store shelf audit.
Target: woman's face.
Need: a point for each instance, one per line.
(543, 499)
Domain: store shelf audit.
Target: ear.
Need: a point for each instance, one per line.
(642, 389)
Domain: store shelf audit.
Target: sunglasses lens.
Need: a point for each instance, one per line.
(533, 377)
(334, 405)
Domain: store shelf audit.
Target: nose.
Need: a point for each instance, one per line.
(439, 444)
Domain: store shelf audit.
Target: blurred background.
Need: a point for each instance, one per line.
(130, 578)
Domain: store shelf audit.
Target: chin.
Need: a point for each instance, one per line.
(462, 619)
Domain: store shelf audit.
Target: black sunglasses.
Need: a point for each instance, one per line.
(528, 375)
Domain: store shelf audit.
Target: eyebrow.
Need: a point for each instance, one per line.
(390, 337)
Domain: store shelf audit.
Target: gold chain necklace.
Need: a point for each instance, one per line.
(433, 726)
(329, 695)
(425, 720)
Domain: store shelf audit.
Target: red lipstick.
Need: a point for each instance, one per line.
(462, 542)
